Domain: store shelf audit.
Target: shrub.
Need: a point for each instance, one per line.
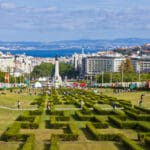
(100, 122)
(115, 121)
(142, 109)
(92, 130)
(147, 141)
(82, 117)
(53, 143)
(11, 132)
(29, 144)
(130, 145)
(144, 126)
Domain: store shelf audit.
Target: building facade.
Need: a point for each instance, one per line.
(93, 65)
(141, 64)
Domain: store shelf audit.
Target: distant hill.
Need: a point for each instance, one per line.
(99, 44)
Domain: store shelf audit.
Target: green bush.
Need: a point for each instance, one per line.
(147, 141)
(130, 145)
(144, 126)
(86, 110)
(73, 130)
(29, 143)
(92, 130)
(11, 132)
(53, 123)
(100, 122)
(115, 121)
(83, 117)
(53, 143)
(31, 125)
(100, 111)
(141, 117)
(25, 118)
(142, 109)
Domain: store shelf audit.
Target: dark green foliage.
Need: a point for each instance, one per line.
(11, 132)
(92, 130)
(56, 124)
(29, 143)
(47, 69)
(86, 110)
(141, 117)
(130, 145)
(147, 141)
(53, 143)
(100, 122)
(43, 70)
(83, 117)
(142, 109)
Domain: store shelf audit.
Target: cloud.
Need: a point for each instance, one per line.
(7, 6)
(51, 18)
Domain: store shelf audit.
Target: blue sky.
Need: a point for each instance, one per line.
(53, 20)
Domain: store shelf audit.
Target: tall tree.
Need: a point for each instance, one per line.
(126, 66)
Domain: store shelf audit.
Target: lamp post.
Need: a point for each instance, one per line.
(122, 73)
(110, 76)
(139, 70)
(102, 78)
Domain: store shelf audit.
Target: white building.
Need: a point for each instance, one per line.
(93, 65)
(141, 63)
(6, 62)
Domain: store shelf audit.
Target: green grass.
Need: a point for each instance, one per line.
(42, 135)
(134, 97)
(9, 145)
(6, 118)
(100, 145)
(10, 100)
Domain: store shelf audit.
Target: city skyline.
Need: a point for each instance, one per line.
(54, 20)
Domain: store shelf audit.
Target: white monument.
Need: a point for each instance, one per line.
(57, 80)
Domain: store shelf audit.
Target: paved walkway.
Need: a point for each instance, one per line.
(9, 108)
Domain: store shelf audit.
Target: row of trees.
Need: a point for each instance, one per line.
(126, 74)
(12, 79)
(117, 77)
(47, 69)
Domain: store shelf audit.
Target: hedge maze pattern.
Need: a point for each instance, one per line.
(97, 118)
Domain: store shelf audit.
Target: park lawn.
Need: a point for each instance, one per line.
(7, 117)
(42, 136)
(10, 100)
(92, 145)
(134, 97)
(9, 145)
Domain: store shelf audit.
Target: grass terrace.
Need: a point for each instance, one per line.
(67, 126)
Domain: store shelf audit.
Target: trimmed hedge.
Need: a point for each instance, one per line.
(11, 132)
(92, 130)
(100, 136)
(53, 143)
(142, 117)
(82, 117)
(53, 123)
(74, 131)
(100, 122)
(142, 109)
(130, 145)
(147, 141)
(86, 110)
(31, 125)
(29, 143)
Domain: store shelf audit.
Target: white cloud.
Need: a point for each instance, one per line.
(7, 5)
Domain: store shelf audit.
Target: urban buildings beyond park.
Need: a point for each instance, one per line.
(93, 65)
(141, 63)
